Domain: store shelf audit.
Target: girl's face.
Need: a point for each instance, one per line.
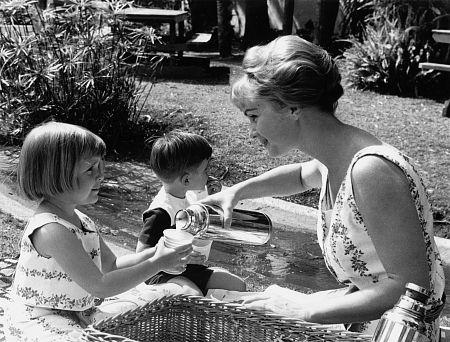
(89, 175)
(198, 176)
(274, 126)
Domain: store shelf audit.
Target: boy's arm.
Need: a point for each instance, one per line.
(155, 222)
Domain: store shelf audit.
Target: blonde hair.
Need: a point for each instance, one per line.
(289, 71)
(49, 155)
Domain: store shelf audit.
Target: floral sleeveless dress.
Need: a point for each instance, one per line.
(347, 247)
(46, 305)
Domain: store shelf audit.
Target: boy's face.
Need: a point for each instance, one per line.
(198, 176)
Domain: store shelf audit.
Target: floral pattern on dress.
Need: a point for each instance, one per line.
(34, 312)
(40, 281)
(356, 214)
(347, 246)
(57, 275)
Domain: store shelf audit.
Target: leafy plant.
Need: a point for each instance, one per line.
(396, 39)
(77, 63)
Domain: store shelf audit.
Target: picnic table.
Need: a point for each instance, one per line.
(440, 36)
(152, 16)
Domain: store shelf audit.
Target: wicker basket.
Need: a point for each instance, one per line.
(189, 318)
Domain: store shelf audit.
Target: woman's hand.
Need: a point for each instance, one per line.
(173, 259)
(227, 200)
(278, 304)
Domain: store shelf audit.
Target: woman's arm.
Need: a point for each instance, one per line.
(57, 242)
(328, 307)
(282, 181)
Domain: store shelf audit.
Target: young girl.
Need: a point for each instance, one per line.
(64, 264)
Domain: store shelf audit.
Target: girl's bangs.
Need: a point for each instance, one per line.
(93, 145)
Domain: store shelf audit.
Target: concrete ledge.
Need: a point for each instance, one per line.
(290, 215)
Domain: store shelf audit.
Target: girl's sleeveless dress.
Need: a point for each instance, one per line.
(346, 245)
(46, 305)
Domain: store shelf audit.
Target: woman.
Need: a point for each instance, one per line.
(375, 225)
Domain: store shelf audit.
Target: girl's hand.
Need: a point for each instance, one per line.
(173, 259)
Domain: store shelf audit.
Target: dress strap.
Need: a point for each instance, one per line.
(434, 312)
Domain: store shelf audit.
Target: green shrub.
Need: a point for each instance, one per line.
(76, 63)
(397, 37)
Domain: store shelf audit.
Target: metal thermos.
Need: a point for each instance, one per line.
(213, 185)
(405, 322)
(207, 222)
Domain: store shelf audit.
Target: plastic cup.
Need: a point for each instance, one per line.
(174, 238)
(177, 237)
(202, 246)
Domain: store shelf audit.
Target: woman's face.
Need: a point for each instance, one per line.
(274, 126)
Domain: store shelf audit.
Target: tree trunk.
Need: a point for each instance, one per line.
(257, 28)
(288, 16)
(203, 15)
(327, 14)
(224, 29)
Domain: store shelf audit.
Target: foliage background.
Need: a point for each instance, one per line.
(80, 63)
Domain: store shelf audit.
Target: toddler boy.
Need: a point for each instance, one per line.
(180, 161)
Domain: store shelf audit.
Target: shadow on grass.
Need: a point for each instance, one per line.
(192, 69)
(219, 75)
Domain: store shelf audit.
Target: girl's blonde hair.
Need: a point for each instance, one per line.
(49, 155)
(289, 71)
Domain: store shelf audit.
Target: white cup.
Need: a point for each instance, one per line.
(177, 237)
(174, 238)
(202, 246)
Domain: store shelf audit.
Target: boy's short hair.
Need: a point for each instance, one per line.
(49, 155)
(176, 152)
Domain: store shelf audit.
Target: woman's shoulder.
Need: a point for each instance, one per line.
(381, 166)
(377, 169)
(382, 151)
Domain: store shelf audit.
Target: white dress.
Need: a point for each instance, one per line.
(46, 305)
(347, 247)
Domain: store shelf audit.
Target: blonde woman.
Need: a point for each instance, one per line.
(375, 226)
